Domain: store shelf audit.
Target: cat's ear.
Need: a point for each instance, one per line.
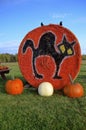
(61, 46)
(73, 43)
(64, 39)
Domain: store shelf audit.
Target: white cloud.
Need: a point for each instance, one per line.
(9, 43)
(9, 47)
(60, 15)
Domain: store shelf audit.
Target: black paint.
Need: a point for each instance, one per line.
(46, 47)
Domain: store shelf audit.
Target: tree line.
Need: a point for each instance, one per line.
(83, 57)
(14, 57)
(8, 57)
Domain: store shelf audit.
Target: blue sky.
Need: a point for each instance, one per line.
(18, 17)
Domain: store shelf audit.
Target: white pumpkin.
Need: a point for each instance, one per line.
(45, 89)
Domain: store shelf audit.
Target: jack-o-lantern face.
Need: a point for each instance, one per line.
(49, 53)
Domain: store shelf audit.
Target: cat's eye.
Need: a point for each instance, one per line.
(62, 48)
(69, 51)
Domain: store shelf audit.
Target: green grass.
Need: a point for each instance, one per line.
(29, 111)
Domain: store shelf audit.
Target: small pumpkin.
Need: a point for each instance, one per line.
(14, 86)
(73, 90)
(3, 67)
(45, 89)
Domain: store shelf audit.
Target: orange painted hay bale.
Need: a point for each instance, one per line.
(49, 54)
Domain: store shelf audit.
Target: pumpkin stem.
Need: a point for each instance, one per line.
(71, 80)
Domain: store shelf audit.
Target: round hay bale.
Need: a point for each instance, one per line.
(49, 54)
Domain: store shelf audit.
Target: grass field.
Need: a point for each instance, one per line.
(29, 111)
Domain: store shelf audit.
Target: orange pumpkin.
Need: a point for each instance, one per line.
(3, 67)
(14, 87)
(73, 90)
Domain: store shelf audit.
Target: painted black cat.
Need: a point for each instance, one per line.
(46, 46)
